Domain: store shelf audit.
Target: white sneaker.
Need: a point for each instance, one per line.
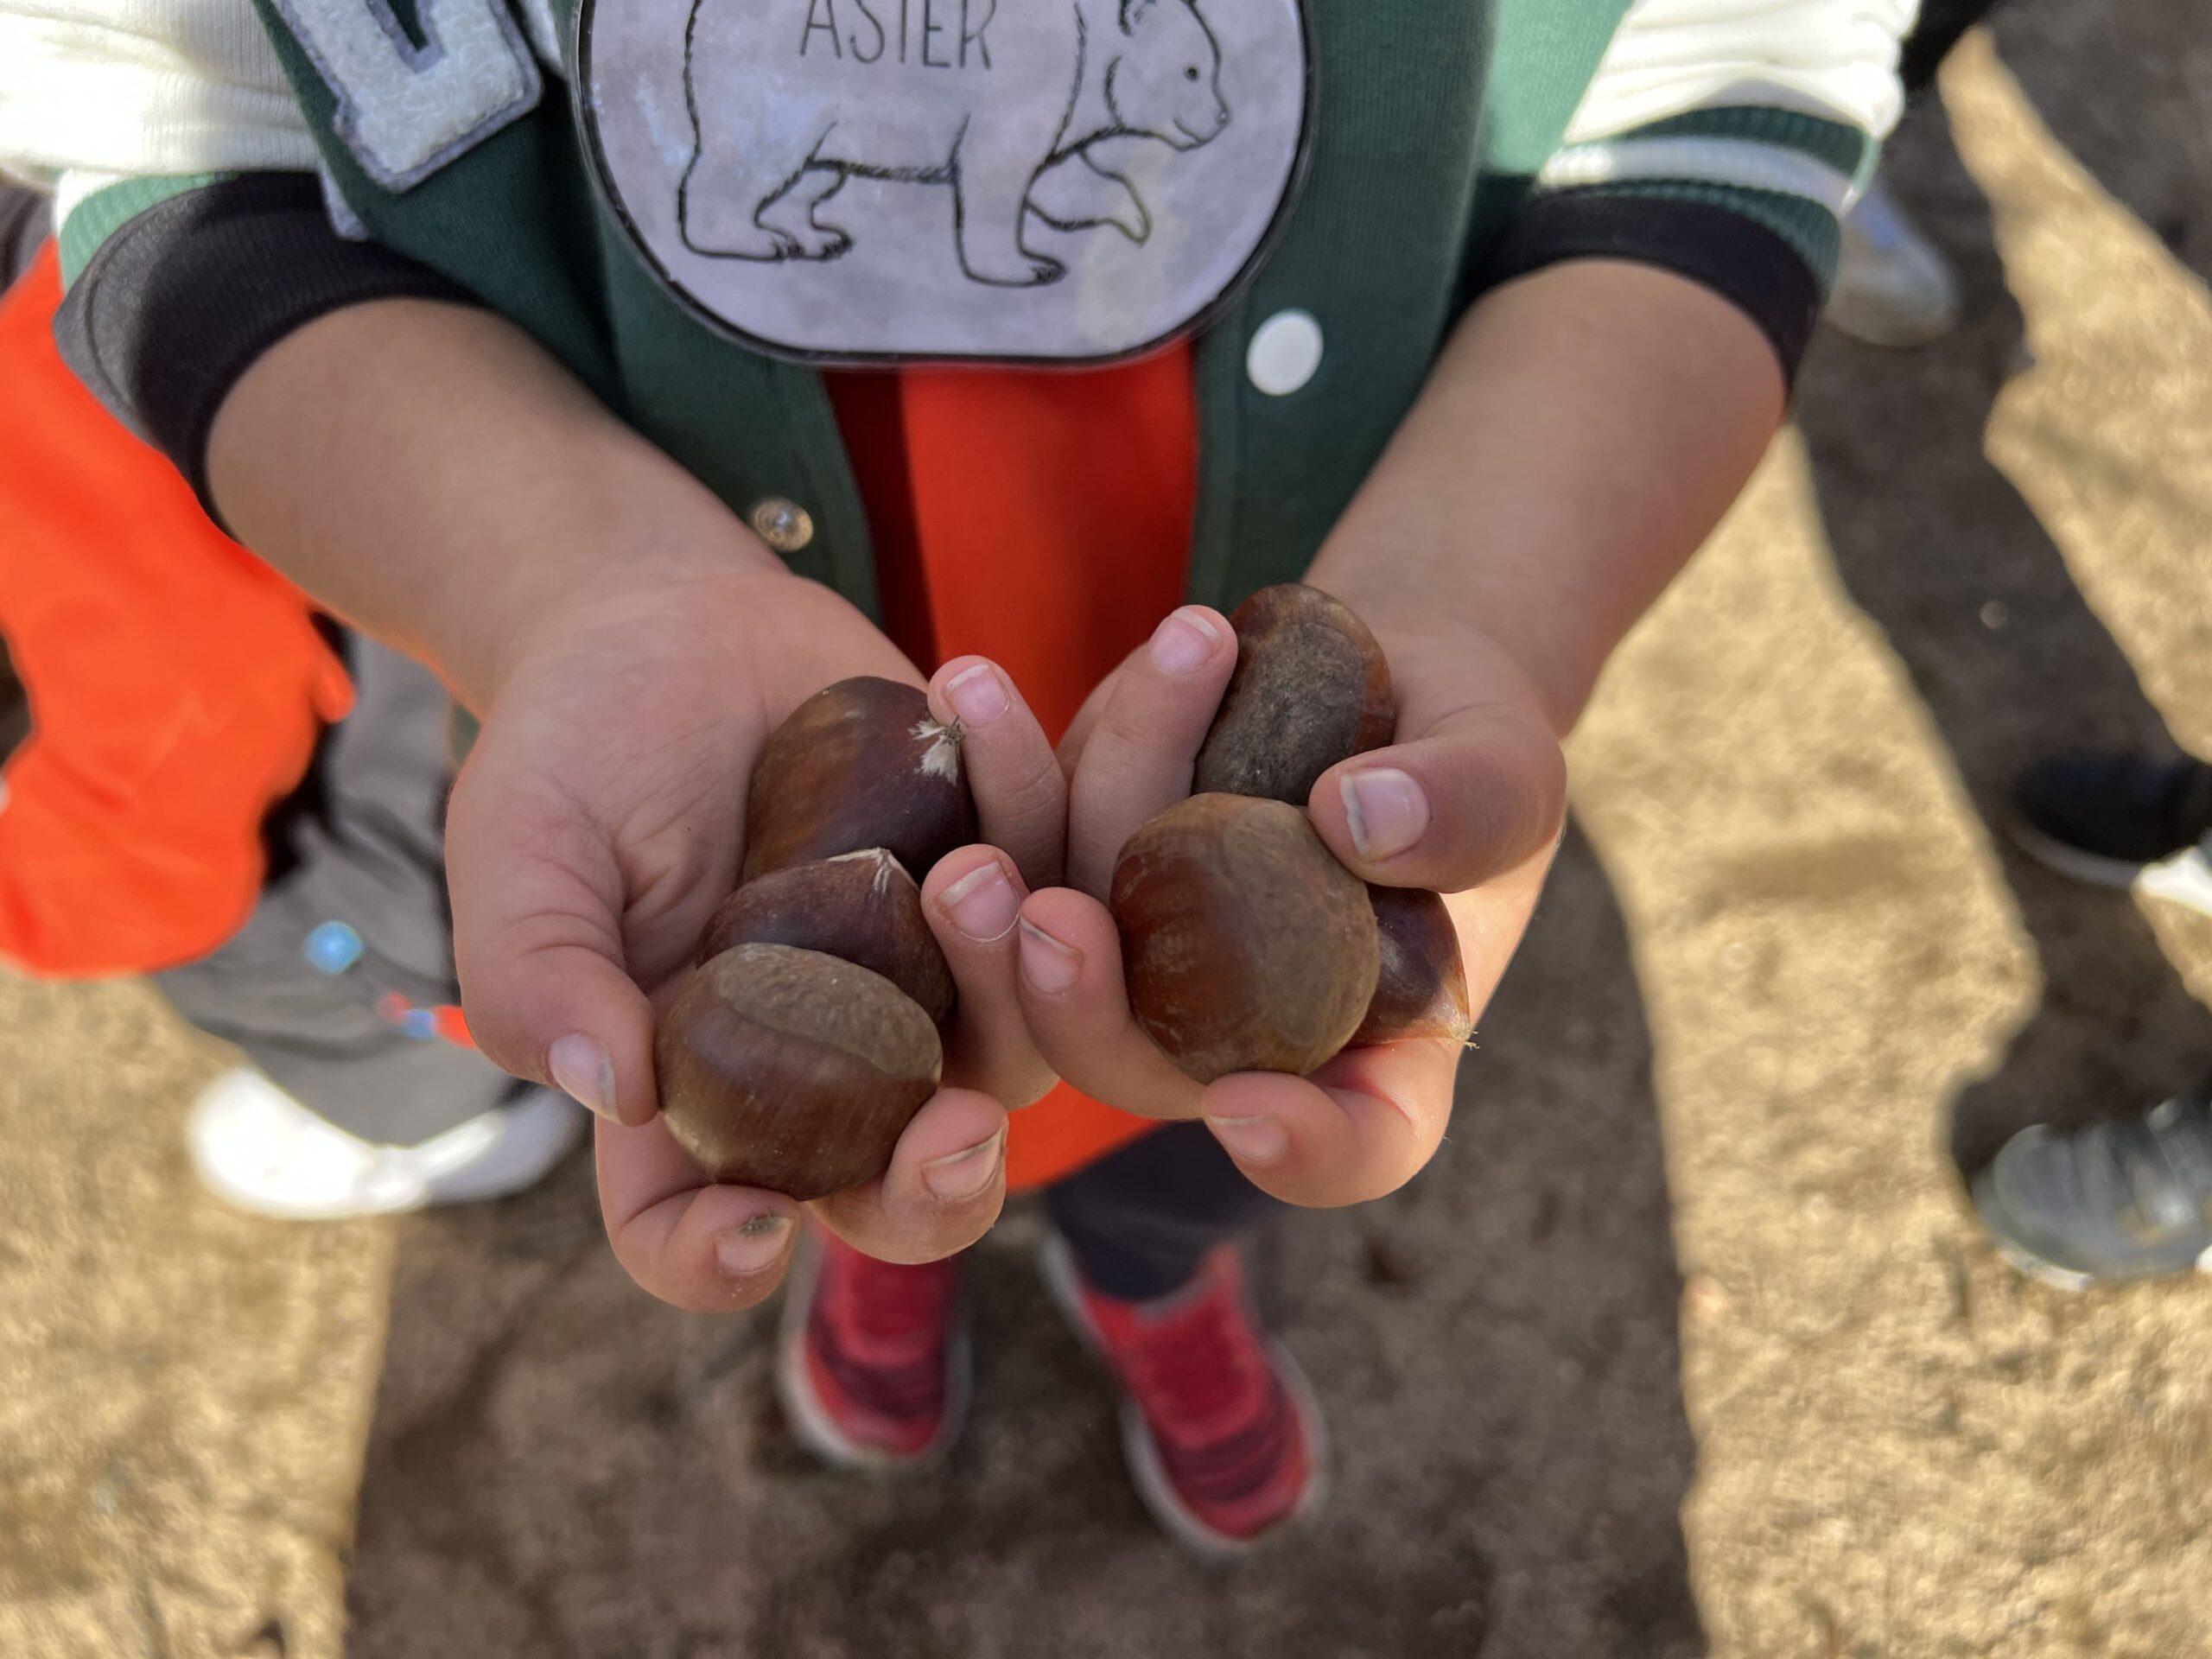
(262, 1150)
(1893, 286)
(2185, 878)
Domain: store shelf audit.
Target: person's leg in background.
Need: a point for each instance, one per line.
(1893, 286)
(2131, 1198)
(1140, 1224)
(357, 1097)
(352, 1097)
(1223, 1437)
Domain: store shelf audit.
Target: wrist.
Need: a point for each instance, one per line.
(431, 474)
(617, 538)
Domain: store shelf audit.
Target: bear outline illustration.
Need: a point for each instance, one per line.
(753, 185)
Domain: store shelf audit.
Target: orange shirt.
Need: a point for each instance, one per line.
(1041, 519)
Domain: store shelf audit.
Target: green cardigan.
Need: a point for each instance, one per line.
(1431, 119)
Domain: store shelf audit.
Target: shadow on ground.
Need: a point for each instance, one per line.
(2008, 660)
(559, 1466)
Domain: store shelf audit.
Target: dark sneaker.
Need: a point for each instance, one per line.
(873, 1367)
(2107, 1204)
(1223, 1436)
(2116, 819)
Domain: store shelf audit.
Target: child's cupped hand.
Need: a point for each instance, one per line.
(598, 823)
(1469, 801)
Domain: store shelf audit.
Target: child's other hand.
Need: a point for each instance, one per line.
(599, 821)
(1469, 801)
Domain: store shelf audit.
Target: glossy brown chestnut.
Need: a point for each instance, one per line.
(862, 906)
(789, 1070)
(1311, 689)
(1421, 990)
(860, 764)
(1246, 945)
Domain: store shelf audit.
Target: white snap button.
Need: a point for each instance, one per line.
(1286, 353)
(784, 526)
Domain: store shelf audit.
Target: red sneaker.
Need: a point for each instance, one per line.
(1224, 1438)
(873, 1367)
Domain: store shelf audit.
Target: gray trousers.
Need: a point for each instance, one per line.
(330, 986)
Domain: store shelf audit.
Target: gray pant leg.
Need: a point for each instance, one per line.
(328, 986)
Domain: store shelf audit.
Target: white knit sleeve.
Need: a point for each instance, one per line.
(95, 91)
(1835, 59)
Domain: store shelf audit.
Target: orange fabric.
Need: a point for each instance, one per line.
(1045, 522)
(177, 684)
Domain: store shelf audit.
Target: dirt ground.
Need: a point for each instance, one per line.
(1686, 1344)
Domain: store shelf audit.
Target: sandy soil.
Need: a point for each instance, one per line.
(1686, 1344)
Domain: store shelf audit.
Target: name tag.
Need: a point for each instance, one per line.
(1043, 181)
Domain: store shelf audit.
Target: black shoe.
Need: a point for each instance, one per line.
(2107, 1204)
(2107, 818)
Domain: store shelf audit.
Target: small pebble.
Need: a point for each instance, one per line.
(1705, 1298)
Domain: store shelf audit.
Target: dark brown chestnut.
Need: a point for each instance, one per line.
(1246, 945)
(861, 907)
(1421, 990)
(1311, 689)
(793, 1071)
(860, 764)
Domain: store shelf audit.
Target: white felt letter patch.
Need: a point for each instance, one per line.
(409, 103)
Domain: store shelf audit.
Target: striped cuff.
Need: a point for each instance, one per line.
(1744, 199)
(175, 306)
(1738, 258)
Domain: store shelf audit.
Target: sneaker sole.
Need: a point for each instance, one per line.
(814, 1427)
(2070, 1279)
(399, 1195)
(2184, 879)
(1057, 1263)
(2098, 871)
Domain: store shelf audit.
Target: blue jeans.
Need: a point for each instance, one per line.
(1142, 1219)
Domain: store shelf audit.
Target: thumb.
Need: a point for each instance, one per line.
(1478, 793)
(537, 901)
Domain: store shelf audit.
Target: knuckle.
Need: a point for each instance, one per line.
(1033, 801)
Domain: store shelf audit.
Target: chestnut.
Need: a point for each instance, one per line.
(861, 907)
(1421, 990)
(793, 1071)
(1311, 689)
(860, 764)
(1247, 947)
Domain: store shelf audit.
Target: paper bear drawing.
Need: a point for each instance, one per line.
(790, 99)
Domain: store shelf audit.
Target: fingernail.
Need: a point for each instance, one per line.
(1250, 1140)
(983, 903)
(584, 1072)
(754, 1247)
(1386, 810)
(961, 1176)
(1046, 964)
(1184, 641)
(976, 694)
